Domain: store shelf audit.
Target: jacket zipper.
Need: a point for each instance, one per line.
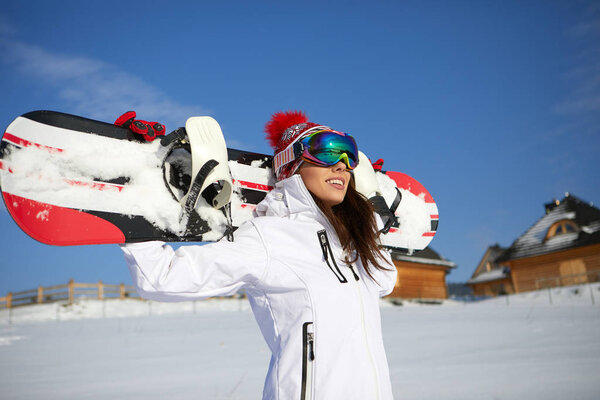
(356, 278)
(308, 357)
(326, 248)
(308, 352)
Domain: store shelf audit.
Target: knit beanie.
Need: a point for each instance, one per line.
(284, 129)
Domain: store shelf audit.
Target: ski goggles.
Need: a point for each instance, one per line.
(325, 148)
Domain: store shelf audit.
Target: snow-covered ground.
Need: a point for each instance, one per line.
(539, 345)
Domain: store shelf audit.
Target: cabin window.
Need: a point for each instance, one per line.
(560, 227)
(569, 228)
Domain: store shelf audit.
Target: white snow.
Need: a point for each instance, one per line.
(43, 215)
(539, 345)
(591, 228)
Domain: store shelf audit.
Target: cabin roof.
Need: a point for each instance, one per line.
(489, 257)
(426, 256)
(534, 241)
(489, 276)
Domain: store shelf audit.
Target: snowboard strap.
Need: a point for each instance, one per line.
(230, 229)
(178, 135)
(386, 213)
(396, 202)
(194, 192)
(209, 195)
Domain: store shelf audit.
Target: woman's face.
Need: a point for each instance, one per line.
(329, 184)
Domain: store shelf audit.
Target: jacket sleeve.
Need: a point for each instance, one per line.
(197, 272)
(385, 279)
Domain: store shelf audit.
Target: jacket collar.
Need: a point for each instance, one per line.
(291, 199)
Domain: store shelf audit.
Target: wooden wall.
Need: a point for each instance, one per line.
(420, 281)
(494, 288)
(562, 268)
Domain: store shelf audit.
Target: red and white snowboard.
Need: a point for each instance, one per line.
(68, 180)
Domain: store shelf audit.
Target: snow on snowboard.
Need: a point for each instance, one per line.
(68, 180)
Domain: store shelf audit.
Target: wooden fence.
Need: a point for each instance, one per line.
(68, 292)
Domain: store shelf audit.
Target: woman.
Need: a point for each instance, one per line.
(309, 263)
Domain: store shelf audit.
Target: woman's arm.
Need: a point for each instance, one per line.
(196, 272)
(385, 279)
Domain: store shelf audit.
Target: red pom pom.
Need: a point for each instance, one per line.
(279, 122)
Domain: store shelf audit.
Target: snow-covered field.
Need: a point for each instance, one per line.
(539, 345)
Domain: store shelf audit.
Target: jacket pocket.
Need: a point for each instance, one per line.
(308, 359)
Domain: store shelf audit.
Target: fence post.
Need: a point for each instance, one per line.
(71, 290)
(100, 290)
(122, 291)
(40, 297)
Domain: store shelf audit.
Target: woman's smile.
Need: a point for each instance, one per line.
(338, 183)
(329, 184)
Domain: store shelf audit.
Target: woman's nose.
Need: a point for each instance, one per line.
(339, 167)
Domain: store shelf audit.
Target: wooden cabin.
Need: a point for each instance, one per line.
(562, 248)
(421, 275)
(490, 278)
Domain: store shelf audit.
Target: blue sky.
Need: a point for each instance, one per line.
(493, 105)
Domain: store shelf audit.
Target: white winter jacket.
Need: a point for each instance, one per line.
(320, 318)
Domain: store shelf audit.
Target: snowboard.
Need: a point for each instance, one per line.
(69, 180)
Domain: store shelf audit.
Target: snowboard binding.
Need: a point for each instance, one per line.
(196, 164)
(366, 184)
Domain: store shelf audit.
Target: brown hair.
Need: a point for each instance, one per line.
(354, 222)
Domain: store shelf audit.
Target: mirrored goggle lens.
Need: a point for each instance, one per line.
(329, 148)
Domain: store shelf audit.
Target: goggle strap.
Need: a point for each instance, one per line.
(293, 151)
(283, 157)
